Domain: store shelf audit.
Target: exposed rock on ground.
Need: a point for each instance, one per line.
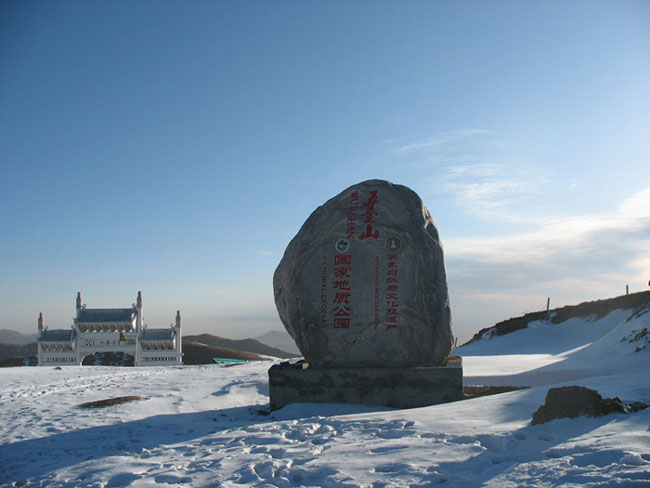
(573, 401)
(470, 392)
(111, 401)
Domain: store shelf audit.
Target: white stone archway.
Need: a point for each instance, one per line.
(97, 330)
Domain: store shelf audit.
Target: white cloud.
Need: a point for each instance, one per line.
(570, 259)
(563, 236)
(637, 206)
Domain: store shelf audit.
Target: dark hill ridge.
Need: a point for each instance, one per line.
(248, 345)
(596, 309)
(193, 353)
(30, 360)
(16, 338)
(197, 353)
(196, 350)
(17, 350)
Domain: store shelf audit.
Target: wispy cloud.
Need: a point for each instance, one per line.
(440, 139)
(469, 168)
(265, 253)
(472, 168)
(492, 190)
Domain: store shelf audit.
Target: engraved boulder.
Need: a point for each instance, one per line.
(363, 283)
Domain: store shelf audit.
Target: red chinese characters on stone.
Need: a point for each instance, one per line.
(342, 272)
(341, 285)
(341, 323)
(369, 232)
(341, 298)
(377, 264)
(343, 259)
(323, 296)
(392, 291)
(352, 214)
(368, 216)
(342, 309)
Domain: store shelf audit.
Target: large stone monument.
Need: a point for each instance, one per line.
(362, 290)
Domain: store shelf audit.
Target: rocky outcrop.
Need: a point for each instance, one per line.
(574, 401)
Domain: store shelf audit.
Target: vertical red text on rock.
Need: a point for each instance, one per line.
(377, 264)
(368, 216)
(323, 294)
(342, 291)
(351, 221)
(392, 291)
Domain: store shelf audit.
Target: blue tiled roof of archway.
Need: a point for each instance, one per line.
(157, 334)
(98, 315)
(57, 335)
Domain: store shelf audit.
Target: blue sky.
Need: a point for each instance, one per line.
(176, 148)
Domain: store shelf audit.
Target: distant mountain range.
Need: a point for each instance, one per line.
(200, 353)
(281, 340)
(16, 338)
(248, 345)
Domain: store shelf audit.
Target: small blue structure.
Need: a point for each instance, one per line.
(228, 361)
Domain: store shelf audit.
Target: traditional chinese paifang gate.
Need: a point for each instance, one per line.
(98, 330)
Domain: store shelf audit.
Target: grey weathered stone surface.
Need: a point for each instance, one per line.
(391, 387)
(574, 401)
(363, 283)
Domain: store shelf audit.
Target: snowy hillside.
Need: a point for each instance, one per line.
(591, 311)
(209, 425)
(578, 348)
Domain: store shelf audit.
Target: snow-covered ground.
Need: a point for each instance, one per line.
(206, 425)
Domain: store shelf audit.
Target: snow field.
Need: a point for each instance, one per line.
(208, 425)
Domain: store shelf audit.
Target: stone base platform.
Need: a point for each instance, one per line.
(390, 387)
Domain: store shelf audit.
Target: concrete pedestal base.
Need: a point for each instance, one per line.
(390, 387)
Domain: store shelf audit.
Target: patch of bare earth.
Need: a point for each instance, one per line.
(112, 401)
(479, 391)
